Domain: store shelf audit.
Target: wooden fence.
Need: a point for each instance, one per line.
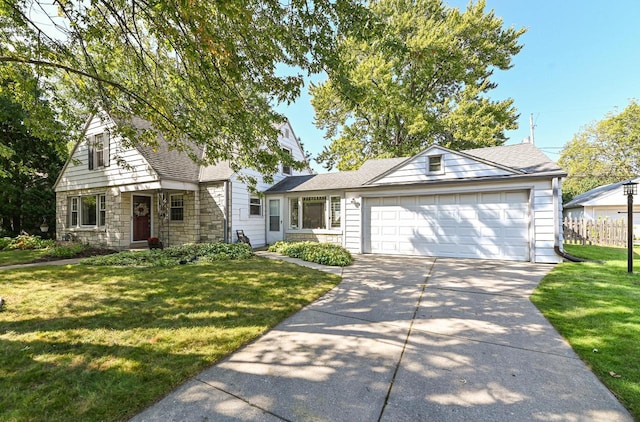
(595, 232)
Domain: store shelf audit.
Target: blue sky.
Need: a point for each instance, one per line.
(580, 60)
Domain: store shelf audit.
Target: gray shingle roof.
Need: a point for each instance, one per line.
(339, 180)
(524, 157)
(583, 198)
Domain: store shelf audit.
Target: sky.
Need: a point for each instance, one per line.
(580, 61)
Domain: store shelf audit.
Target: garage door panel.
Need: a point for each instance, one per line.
(475, 225)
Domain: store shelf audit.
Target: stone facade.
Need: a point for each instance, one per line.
(173, 233)
(314, 237)
(212, 211)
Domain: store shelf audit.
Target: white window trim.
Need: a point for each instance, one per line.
(439, 156)
(171, 207)
(327, 216)
(78, 200)
(260, 206)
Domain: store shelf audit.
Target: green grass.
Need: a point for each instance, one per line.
(26, 256)
(597, 306)
(103, 343)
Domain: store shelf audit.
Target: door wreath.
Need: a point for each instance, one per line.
(141, 209)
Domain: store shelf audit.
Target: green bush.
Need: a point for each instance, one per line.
(175, 255)
(24, 242)
(67, 251)
(320, 253)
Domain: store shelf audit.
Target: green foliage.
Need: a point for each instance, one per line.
(595, 306)
(192, 69)
(32, 150)
(418, 76)
(175, 255)
(605, 152)
(67, 250)
(24, 242)
(101, 343)
(320, 253)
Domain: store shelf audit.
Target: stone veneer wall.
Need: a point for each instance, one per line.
(314, 237)
(212, 203)
(117, 220)
(173, 233)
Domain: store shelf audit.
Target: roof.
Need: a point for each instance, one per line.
(339, 180)
(600, 191)
(524, 158)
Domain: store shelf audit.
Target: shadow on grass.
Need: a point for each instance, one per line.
(101, 343)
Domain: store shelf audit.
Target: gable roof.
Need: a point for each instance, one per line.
(522, 159)
(595, 193)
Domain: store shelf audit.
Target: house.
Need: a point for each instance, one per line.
(495, 203)
(603, 202)
(119, 196)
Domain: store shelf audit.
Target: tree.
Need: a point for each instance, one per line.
(419, 77)
(33, 149)
(605, 152)
(207, 71)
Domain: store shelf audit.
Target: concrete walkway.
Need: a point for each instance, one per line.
(405, 339)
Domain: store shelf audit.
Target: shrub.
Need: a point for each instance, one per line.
(320, 253)
(26, 241)
(175, 255)
(67, 251)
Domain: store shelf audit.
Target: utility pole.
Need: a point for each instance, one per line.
(531, 126)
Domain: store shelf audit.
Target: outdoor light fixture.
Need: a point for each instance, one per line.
(44, 227)
(630, 188)
(355, 202)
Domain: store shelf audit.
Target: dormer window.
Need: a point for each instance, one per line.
(435, 164)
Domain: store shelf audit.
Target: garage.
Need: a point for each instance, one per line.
(487, 225)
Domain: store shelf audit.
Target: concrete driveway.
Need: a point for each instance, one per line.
(405, 339)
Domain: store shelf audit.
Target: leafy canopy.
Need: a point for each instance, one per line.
(419, 77)
(208, 71)
(32, 151)
(605, 152)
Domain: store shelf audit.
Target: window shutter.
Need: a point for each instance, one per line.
(105, 142)
(90, 153)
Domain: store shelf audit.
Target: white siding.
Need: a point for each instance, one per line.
(255, 226)
(541, 225)
(454, 167)
(76, 175)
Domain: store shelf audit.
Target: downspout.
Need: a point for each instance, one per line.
(557, 243)
(227, 207)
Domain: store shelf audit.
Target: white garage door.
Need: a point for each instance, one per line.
(491, 225)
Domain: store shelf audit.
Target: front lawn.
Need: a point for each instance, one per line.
(596, 307)
(103, 343)
(21, 256)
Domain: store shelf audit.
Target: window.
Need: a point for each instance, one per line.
(102, 210)
(88, 210)
(313, 212)
(255, 206)
(335, 212)
(74, 211)
(294, 212)
(177, 207)
(435, 164)
(98, 150)
(286, 169)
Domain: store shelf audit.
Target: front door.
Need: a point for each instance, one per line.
(141, 216)
(274, 221)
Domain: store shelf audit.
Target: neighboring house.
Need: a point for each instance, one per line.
(120, 196)
(495, 203)
(603, 202)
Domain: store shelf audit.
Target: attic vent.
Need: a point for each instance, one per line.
(435, 164)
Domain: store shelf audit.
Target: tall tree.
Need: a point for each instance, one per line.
(33, 148)
(208, 71)
(604, 152)
(420, 77)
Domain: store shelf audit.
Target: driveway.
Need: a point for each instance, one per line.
(405, 339)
